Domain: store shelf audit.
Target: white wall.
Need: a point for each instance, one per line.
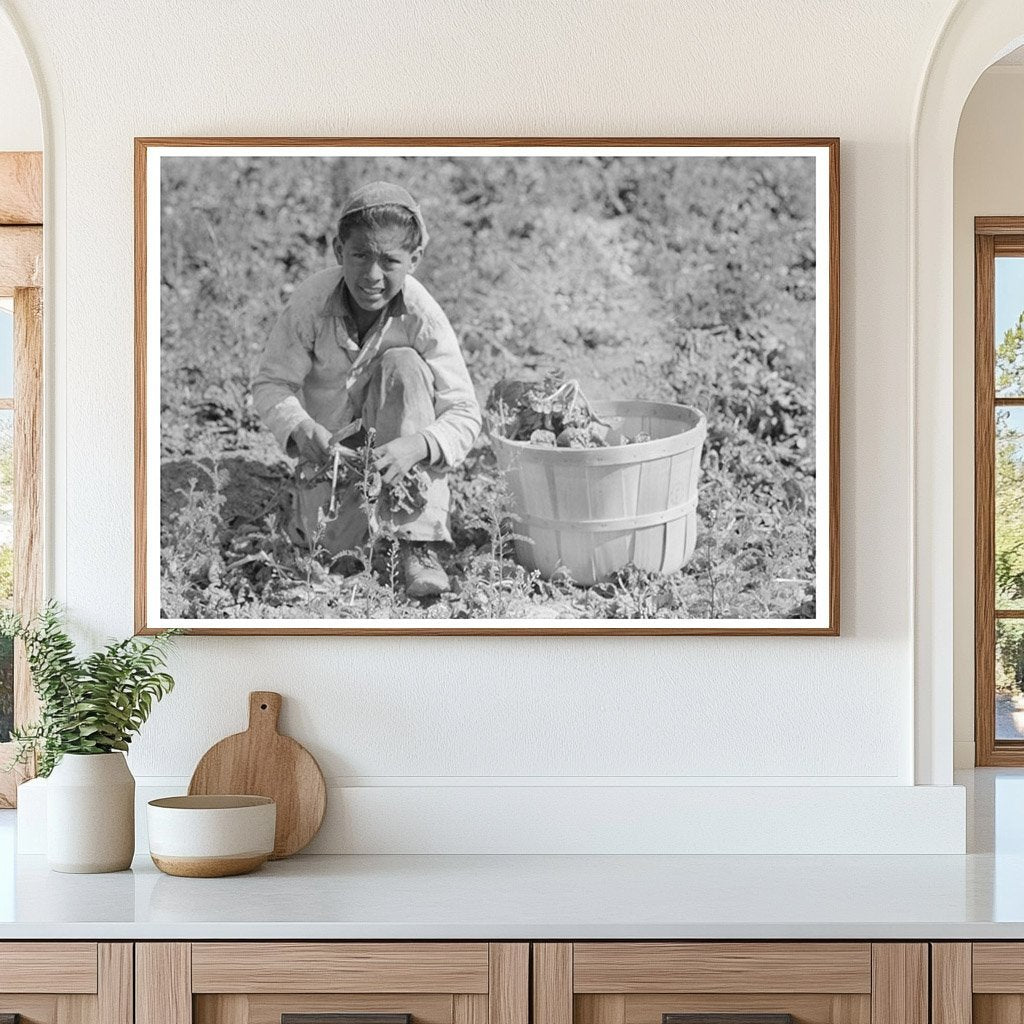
(431, 716)
(987, 182)
(21, 127)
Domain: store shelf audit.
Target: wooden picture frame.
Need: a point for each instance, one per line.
(184, 188)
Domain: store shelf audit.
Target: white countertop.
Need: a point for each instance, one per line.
(497, 897)
(976, 896)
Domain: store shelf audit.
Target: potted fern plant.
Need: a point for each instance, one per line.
(90, 708)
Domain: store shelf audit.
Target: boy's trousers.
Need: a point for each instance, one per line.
(398, 401)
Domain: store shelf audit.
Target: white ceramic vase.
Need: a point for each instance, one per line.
(90, 814)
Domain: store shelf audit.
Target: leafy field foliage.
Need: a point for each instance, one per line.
(1009, 502)
(686, 281)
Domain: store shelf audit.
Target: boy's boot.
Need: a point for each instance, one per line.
(424, 574)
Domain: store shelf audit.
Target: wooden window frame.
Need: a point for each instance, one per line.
(993, 236)
(21, 278)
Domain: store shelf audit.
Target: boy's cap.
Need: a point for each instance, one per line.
(383, 193)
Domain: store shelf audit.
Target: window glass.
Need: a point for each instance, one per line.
(6, 353)
(1009, 679)
(1009, 327)
(6, 568)
(1009, 512)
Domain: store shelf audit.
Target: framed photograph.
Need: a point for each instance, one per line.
(503, 386)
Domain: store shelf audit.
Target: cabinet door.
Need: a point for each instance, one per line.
(730, 983)
(981, 982)
(66, 982)
(332, 983)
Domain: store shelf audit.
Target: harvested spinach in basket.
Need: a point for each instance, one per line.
(551, 413)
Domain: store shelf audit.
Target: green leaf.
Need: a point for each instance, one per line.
(90, 705)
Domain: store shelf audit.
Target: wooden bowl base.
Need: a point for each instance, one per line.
(209, 867)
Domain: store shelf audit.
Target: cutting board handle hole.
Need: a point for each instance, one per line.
(263, 707)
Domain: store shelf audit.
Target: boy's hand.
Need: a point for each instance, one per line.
(397, 457)
(312, 442)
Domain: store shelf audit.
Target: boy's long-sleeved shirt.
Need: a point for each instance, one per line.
(314, 367)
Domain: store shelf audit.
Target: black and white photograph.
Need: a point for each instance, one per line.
(452, 386)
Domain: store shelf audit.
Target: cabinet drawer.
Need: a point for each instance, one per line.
(751, 967)
(642, 982)
(66, 982)
(340, 967)
(998, 967)
(981, 982)
(730, 983)
(65, 967)
(332, 983)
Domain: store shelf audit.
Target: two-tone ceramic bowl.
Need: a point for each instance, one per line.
(211, 836)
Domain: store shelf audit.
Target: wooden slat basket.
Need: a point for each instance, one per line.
(588, 512)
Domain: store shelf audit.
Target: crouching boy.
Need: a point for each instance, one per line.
(366, 340)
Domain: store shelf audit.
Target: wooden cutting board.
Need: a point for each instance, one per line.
(262, 762)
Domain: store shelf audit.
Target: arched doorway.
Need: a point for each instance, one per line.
(21, 250)
(976, 34)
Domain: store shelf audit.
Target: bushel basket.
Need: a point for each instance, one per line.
(588, 512)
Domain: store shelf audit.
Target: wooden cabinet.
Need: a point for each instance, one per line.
(512, 983)
(66, 982)
(663, 982)
(305, 982)
(978, 983)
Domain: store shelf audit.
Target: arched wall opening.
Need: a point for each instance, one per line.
(21, 140)
(989, 150)
(977, 34)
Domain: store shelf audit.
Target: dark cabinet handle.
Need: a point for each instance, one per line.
(727, 1018)
(338, 1018)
